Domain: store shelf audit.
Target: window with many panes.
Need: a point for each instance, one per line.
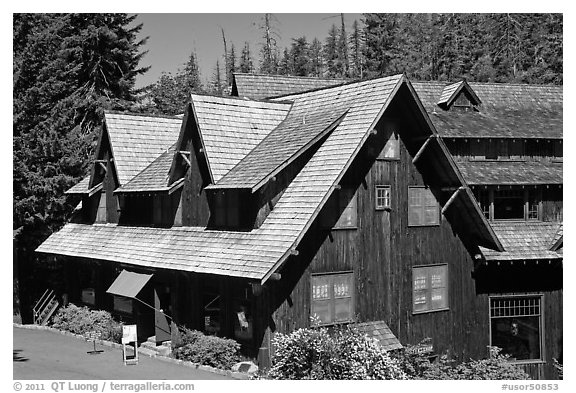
(332, 299)
(423, 209)
(429, 288)
(382, 197)
(516, 326)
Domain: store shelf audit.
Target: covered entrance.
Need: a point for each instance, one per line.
(152, 310)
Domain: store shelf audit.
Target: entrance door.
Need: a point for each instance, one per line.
(161, 313)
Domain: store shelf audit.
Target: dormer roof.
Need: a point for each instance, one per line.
(455, 92)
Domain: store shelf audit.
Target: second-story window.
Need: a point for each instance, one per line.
(509, 204)
(423, 209)
(382, 197)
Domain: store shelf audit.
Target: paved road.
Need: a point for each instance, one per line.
(42, 354)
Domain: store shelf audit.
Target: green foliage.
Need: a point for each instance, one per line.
(194, 346)
(559, 368)
(81, 320)
(496, 367)
(344, 354)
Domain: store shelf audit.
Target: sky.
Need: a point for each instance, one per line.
(172, 37)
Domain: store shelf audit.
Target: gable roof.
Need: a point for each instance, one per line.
(501, 172)
(80, 188)
(230, 128)
(451, 92)
(258, 253)
(259, 86)
(381, 332)
(152, 178)
(507, 111)
(303, 127)
(136, 140)
(558, 241)
(524, 240)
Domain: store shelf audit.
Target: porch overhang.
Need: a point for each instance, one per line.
(129, 284)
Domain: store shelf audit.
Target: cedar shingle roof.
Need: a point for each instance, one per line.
(257, 253)
(230, 128)
(139, 139)
(259, 86)
(523, 240)
(507, 111)
(558, 240)
(499, 172)
(303, 126)
(450, 92)
(80, 188)
(380, 331)
(152, 178)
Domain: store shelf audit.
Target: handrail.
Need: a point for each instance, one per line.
(35, 308)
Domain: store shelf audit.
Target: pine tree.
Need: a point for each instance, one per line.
(331, 52)
(316, 58)
(246, 64)
(231, 64)
(216, 86)
(269, 61)
(286, 65)
(343, 61)
(300, 56)
(356, 51)
(66, 70)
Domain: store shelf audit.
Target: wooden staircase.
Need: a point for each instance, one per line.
(45, 307)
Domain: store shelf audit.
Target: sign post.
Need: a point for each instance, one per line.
(94, 335)
(129, 340)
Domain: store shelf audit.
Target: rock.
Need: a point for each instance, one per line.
(245, 367)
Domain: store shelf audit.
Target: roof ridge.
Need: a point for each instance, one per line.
(291, 76)
(241, 99)
(127, 113)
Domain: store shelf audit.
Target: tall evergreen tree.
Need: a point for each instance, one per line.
(300, 57)
(66, 70)
(286, 65)
(246, 64)
(217, 84)
(231, 64)
(316, 58)
(343, 61)
(356, 51)
(331, 52)
(269, 52)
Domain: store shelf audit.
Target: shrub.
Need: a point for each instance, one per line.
(81, 320)
(497, 367)
(194, 346)
(344, 354)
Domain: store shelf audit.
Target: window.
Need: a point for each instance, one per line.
(422, 207)
(391, 150)
(101, 213)
(347, 203)
(429, 288)
(332, 299)
(483, 198)
(516, 326)
(382, 197)
(123, 304)
(508, 204)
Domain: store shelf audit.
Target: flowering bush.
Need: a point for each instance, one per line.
(194, 346)
(345, 354)
(81, 320)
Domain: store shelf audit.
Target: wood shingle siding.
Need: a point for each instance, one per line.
(137, 140)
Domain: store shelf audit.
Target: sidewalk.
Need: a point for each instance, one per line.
(43, 354)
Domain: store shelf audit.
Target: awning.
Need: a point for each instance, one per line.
(128, 284)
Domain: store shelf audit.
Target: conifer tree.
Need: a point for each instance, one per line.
(331, 52)
(316, 58)
(356, 51)
(343, 61)
(300, 56)
(246, 64)
(269, 52)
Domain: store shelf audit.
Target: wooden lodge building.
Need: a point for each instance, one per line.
(412, 209)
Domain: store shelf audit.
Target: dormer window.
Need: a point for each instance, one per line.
(460, 96)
